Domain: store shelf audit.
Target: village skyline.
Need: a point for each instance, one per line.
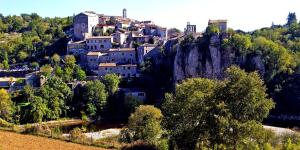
(257, 14)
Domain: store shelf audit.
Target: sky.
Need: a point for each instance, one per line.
(246, 15)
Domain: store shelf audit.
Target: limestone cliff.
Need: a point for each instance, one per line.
(209, 59)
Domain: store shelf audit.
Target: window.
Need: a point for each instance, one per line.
(122, 54)
(128, 68)
(123, 75)
(105, 68)
(102, 46)
(104, 41)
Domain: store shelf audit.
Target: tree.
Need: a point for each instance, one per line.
(70, 61)
(242, 43)
(96, 96)
(111, 82)
(38, 108)
(58, 71)
(217, 113)
(56, 94)
(5, 64)
(22, 55)
(276, 58)
(79, 74)
(46, 70)
(6, 105)
(212, 29)
(145, 124)
(34, 65)
(291, 19)
(55, 59)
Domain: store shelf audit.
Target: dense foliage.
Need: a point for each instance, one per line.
(217, 113)
(29, 37)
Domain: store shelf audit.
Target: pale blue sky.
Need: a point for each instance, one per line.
(241, 14)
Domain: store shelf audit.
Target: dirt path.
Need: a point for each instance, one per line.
(15, 141)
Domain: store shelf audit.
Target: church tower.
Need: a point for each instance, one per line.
(124, 13)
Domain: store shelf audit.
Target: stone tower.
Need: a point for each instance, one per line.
(124, 13)
(84, 24)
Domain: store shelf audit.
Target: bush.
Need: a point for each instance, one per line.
(42, 130)
(5, 124)
(76, 135)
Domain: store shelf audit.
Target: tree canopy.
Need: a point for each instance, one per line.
(216, 112)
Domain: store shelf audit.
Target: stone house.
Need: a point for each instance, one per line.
(119, 37)
(143, 50)
(99, 43)
(122, 55)
(94, 58)
(84, 24)
(125, 71)
(221, 23)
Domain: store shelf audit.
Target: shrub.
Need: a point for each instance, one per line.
(4, 123)
(76, 135)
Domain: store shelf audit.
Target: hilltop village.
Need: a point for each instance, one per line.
(118, 44)
(104, 45)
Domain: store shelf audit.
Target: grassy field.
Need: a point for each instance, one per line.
(15, 141)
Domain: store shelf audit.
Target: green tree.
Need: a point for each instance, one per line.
(46, 70)
(79, 74)
(58, 71)
(56, 93)
(34, 65)
(70, 61)
(22, 55)
(111, 82)
(145, 124)
(276, 58)
(6, 105)
(240, 42)
(55, 59)
(5, 64)
(212, 29)
(96, 97)
(38, 108)
(291, 19)
(68, 74)
(217, 112)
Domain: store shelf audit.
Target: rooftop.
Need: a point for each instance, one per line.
(217, 21)
(122, 49)
(107, 64)
(95, 54)
(99, 37)
(116, 65)
(78, 42)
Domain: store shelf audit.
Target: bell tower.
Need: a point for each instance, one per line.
(124, 13)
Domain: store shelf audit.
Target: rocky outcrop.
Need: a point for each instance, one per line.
(210, 61)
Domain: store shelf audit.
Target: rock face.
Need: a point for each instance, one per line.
(196, 60)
